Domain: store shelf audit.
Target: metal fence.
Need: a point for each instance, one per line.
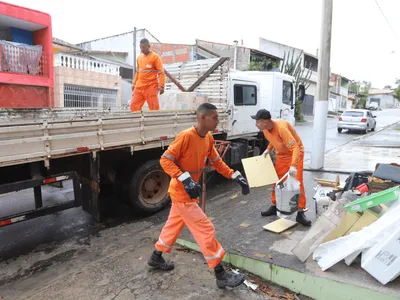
(89, 97)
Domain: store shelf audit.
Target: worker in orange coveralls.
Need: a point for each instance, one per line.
(289, 156)
(149, 79)
(185, 161)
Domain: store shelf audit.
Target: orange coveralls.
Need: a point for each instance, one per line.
(289, 152)
(188, 153)
(149, 76)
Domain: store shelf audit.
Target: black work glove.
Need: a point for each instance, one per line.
(191, 187)
(242, 181)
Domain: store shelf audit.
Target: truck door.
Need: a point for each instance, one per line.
(245, 96)
(284, 99)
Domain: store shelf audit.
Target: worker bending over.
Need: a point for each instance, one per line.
(149, 79)
(185, 161)
(289, 156)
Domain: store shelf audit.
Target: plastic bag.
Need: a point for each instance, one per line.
(292, 183)
(287, 195)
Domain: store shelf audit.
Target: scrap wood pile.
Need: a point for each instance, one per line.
(358, 218)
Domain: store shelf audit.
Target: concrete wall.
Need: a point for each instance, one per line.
(63, 75)
(385, 101)
(121, 43)
(243, 54)
(111, 57)
(279, 50)
(126, 89)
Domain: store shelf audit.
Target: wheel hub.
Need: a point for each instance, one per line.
(154, 187)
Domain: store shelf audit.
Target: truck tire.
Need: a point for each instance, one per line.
(148, 191)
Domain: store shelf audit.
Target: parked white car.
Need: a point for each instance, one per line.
(373, 106)
(357, 120)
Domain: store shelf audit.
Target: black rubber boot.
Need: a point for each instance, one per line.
(302, 219)
(227, 279)
(270, 212)
(157, 261)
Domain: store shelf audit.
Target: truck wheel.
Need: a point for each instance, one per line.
(148, 190)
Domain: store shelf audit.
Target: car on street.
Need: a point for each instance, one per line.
(357, 120)
(373, 106)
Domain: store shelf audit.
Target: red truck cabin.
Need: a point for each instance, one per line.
(26, 58)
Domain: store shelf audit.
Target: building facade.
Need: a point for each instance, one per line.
(308, 61)
(384, 98)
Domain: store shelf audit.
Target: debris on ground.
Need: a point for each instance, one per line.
(360, 218)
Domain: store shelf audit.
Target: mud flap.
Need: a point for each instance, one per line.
(90, 180)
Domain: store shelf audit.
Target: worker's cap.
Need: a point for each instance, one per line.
(262, 114)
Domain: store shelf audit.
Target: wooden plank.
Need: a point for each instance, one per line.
(174, 81)
(280, 225)
(260, 171)
(206, 74)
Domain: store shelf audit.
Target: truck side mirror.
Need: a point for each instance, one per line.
(302, 92)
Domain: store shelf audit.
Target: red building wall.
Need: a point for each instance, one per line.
(24, 90)
(173, 53)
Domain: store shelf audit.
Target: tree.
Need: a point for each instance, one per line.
(294, 67)
(265, 64)
(361, 91)
(396, 92)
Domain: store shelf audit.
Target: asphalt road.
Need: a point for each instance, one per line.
(335, 139)
(47, 233)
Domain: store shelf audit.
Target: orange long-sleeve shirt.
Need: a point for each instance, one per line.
(189, 153)
(283, 137)
(149, 71)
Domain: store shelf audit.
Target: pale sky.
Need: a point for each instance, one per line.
(364, 47)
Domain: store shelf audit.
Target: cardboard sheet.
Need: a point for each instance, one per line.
(260, 171)
(280, 225)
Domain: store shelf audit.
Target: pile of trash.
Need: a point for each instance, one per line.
(360, 217)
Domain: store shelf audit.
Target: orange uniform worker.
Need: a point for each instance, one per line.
(289, 156)
(149, 79)
(185, 161)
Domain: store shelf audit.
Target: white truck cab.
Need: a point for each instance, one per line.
(250, 91)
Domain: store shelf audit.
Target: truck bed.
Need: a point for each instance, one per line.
(29, 135)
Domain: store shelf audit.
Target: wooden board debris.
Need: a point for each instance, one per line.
(280, 225)
(260, 171)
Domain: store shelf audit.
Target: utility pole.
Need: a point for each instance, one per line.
(134, 54)
(321, 103)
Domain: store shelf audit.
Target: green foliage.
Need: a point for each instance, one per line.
(265, 64)
(361, 90)
(294, 67)
(396, 91)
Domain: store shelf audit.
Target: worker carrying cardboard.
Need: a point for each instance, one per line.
(184, 162)
(149, 79)
(289, 157)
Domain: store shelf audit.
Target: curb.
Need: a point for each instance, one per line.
(308, 285)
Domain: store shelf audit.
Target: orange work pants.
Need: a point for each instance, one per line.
(282, 166)
(146, 93)
(200, 226)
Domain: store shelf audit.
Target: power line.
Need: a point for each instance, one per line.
(387, 21)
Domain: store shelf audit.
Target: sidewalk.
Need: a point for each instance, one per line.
(239, 224)
(365, 153)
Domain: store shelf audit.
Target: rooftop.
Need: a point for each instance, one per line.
(115, 35)
(380, 92)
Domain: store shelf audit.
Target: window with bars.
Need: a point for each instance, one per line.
(89, 97)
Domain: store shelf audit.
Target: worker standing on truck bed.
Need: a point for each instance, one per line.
(149, 79)
(289, 157)
(185, 161)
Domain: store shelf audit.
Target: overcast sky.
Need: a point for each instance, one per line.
(364, 47)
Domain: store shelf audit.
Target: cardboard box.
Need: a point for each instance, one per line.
(382, 260)
(354, 223)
